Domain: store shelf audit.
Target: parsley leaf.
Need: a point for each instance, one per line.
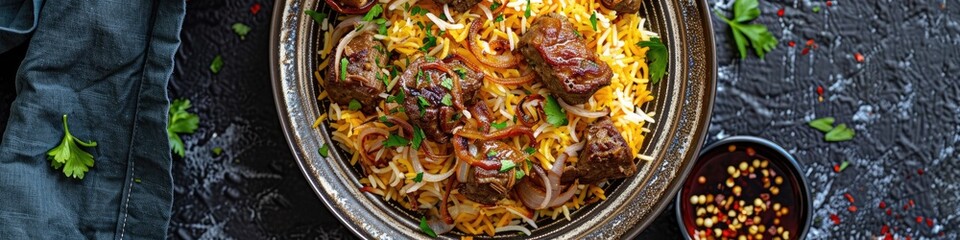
(324, 150)
(839, 134)
(429, 41)
(527, 12)
(217, 151)
(426, 228)
(760, 38)
(447, 83)
(822, 124)
(343, 68)
(492, 153)
(317, 16)
(419, 177)
(373, 13)
(423, 104)
(499, 125)
(68, 155)
(354, 105)
(530, 150)
(494, 6)
(395, 141)
(447, 100)
(180, 121)
(519, 174)
(417, 137)
(657, 55)
(593, 21)
(555, 114)
(506, 165)
(844, 165)
(499, 18)
(241, 30)
(216, 64)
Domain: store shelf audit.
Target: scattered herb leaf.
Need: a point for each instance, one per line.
(423, 104)
(527, 13)
(343, 68)
(417, 137)
(217, 151)
(494, 6)
(241, 30)
(324, 150)
(657, 55)
(419, 177)
(180, 121)
(447, 83)
(844, 165)
(593, 21)
(447, 100)
(426, 228)
(68, 155)
(216, 64)
(492, 153)
(354, 105)
(555, 114)
(506, 165)
(395, 141)
(519, 174)
(822, 124)
(373, 13)
(839, 134)
(760, 38)
(530, 150)
(317, 16)
(499, 18)
(499, 125)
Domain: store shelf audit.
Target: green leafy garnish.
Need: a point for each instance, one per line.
(499, 125)
(395, 141)
(343, 68)
(373, 13)
(527, 13)
(217, 151)
(506, 165)
(317, 16)
(447, 83)
(760, 38)
(447, 100)
(417, 137)
(241, 30)
(430, 40)
(530, 150)
(593, 21)
(324, 150)
(137, 180)
(519, 174)
(180, 121)
(839, 134)
(555, 114)
(492, 153)
(216, 64)
(399, 98)
(354, 105)
(494, 6)
(844, 165)
(822, 124)
(657, 55)
(816, 9)
(419, 177)
(426, 228)
(499, 18)
(461, 72)
(68, 155)
(423, 104)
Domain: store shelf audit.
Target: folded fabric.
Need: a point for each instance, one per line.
(105, 64)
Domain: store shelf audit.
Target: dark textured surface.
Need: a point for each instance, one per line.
(903, 101)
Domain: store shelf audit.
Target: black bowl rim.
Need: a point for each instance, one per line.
(795, 167)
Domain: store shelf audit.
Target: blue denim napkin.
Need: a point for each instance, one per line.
(105, 64)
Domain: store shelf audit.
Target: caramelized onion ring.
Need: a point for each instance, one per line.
(461, 149)
(507, 60)
(511, 131)
(522, 113)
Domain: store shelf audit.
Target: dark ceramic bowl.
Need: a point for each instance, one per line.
(683, 103)
(794, 190)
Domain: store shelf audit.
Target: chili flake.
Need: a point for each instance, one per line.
(780, 12)
(835, 219)
(885, 229)
(255, 8)
(858, 57)
(792, 43)
(805, 51)
(929, 222)
(852, 208)
(920, 171)
(849, 197)
(889, 212)
(919, 219)
(883, 205)
(836, 168)
(810, 42)
(829, 3)
(820, 90)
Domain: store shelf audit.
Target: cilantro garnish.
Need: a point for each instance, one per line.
(241, 30)
(343, 68)
(499, 18)
(317, 16)
(419, 177)
(844, 165)
(506, 165)
(373, 13)
(324, 150)
(447, 83)
(530, 150)
(492, 153)
(217, 151)
(760, 38)
(395, 141)
(593, 21)
(426, 228)
(499, 125)
(839, 134)
(657, 55)
(423, 104)
(430, 40)
(447, 100)
(496, 5)
(527, 13)
(822, 124)
(417, 137)
(354, 105)
(555, 114)
(180, 121)
(216, 64)
(519, 174)
(68, 155)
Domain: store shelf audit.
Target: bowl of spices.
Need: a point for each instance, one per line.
(745, 187)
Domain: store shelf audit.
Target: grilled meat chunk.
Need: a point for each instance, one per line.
(605, 156)
(622, 6)
(429, 101)
(360, 82)
(489, 186)
(562, 60)
(458, 5)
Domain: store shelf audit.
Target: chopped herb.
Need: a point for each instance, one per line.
(416, 10)
(216, 64)
(373, 13)
(446, 100)
(506, 165)
(217, 151)
(318, 17)
(530, 150)
(324, 150)
(461, 72)
(519, 174)
(447, 83)
(822, 124)
(343, 68)
(180, 122)
(760, 38)
(354, 105)
(241, 30)
(657, 55)
(417, 137)
(430, 40)
(555, 114)
(499, 125)
(492, 153)
(844, 165)
(419, 177)
(68, 155)
(395, 141)
(593, 21)
(456, 116)
(816, 9)
(137, 180)
(399, 98)
(423, 104)
(494, 6)
(527, 12)
(499, 18)
(839, 134)
(426, 228)
(383, 119)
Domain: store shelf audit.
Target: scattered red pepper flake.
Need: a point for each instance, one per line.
(792, 44)
(852, 208)
(919, 219)
(858, 57)
(751, 152)
(885, 229)
(920, 171)
(908, 238)
(888, 237)
(805, 51)
(929, 222)
(889, 212)
(780, 12)
(849, 197)
(835, 218)
(255, 8)
(810, 42)
(911, 203)
(836, 168)
(829, 3)
(820, 90)
(883, 205)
